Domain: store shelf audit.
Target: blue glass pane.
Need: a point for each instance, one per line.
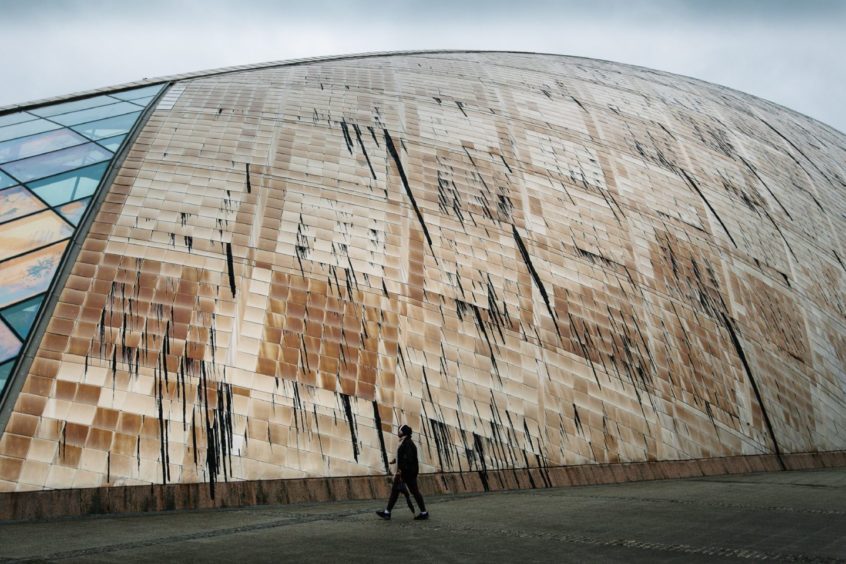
(5, 370)
(143, 101)
(108, 127)
(21, 316)
(18, 201)
(9, 344)
(112, 143)
(74, 210)
(74, 106)
(26, 128)
(146, 91)
(11, 119)
(62, 188)
(92, 114)
(24, 147)
(56, 162)
(5, 181)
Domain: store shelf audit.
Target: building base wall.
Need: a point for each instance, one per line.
(49, 504)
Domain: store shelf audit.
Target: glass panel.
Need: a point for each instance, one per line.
(21, 316)
(31, 232)
(74, 106)
(24, 147)
(69, 186)
(11, 119)
(108, 127)
(56, 162)
(5, 370)
(26, 276)
(146, 91)
(17, 201)
(92, 114)
(74, 210)
(5, 181)
(112, 143)
(26, 128)
(143, 101)
(9, 344)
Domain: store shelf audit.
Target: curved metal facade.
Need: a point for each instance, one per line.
(533, 260)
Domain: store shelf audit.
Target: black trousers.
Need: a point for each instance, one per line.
(411, 484)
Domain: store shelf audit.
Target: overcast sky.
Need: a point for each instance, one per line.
(788, 51)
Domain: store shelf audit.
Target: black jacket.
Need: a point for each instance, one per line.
(407, 458)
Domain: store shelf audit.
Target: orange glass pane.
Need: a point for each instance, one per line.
(17, 201)
(26, 276)
(31, 232)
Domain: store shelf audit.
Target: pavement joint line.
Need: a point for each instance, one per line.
(714, 504)
(716, 551)
(755, 482)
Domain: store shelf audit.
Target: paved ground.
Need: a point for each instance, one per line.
(783, 516)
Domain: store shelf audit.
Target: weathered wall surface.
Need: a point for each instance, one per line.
(532, 260)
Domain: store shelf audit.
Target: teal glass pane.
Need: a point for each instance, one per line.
(20, 317)
(112, 143)
(93, 114)
(5, 181)
(144, 92)
(74, 106)
(73, 211)
(5, 370)
(10, 346)
(18, 201)
(24, 147)
(12, 119)
(69, 186)
(108, 127)
(58, 161)
(26, 128)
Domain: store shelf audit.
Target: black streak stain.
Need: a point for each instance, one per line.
(736, 342)
(393, 152)
(231, 264)
(378, 423)
(527, 259)
(249, 186)
(345, 400)
(693, 185)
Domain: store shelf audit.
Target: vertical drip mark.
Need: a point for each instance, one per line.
(393, 152)
(736, 342)
(249, 186)
(693, 185)
(347, 138)
(378, 423)
(538, 282)
(345, 399)
(366, 156)
(231, 264)
(483, 473)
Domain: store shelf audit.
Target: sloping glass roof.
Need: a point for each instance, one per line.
(52, 162)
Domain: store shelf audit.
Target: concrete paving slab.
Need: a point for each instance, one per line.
(798, 516)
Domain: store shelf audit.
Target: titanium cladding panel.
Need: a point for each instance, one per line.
(532, 260)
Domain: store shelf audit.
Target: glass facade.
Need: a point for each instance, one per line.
(52, 162)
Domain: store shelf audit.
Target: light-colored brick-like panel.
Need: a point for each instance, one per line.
(532, 260)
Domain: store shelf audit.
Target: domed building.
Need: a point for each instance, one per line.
(233, 286)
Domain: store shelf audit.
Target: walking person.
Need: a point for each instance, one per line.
(406, 476)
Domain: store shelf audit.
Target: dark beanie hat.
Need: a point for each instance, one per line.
(405, 430)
